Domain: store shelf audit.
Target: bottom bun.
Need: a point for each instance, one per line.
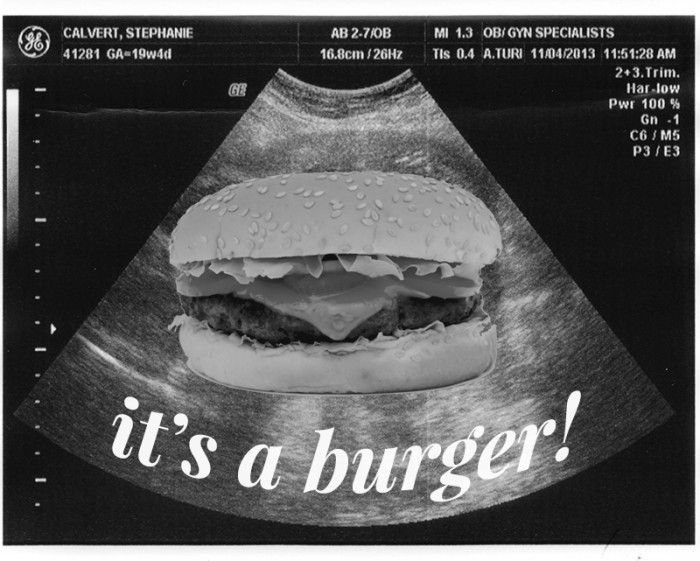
(431, 357)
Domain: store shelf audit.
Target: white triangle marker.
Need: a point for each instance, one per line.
(52, 329)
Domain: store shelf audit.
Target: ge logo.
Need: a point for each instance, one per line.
(34, 41)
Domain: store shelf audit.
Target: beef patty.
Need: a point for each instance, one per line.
(230, 314)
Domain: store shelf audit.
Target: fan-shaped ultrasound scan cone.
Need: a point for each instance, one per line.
(551, 342)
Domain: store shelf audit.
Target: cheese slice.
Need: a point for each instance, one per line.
(337, 301)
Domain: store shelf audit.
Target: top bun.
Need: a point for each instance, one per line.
(367, 213)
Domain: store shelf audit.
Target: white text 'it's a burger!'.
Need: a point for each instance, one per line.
(336, 282)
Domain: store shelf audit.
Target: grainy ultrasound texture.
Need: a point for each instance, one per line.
(550, 341)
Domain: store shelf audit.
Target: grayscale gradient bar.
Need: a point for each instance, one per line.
(12, 169)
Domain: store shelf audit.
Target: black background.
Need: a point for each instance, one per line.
(622, 227)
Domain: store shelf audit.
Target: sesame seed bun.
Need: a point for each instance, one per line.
(364, 212)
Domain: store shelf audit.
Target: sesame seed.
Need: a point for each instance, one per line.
(338, 206)
(368, 213)
(380, 181)
(272, 226)
(222, 212)
(281, 194)
(245, 211)
(322, 176)
(439, 200)
(299, 190)
(336, 213)
(286, 226)
(227, 198)
(436, 223)
(343, 228)
(361, 206)
(368, 182)
(308, 204)
(307, 229)
(318, 193)
(445, 219)
(345, 248)
(220, 242)
(360, 195)
(392, 219)
(287, 243)
(286, 175)
(368, 248)
(235, 240)
(395, 197)
(233, 208)
(283, 181)
(412, 207)
(253, 229)
(203, 238)
(400, 222)
(349, 180)
(427, 212)
(375, 215)
(403, 189)
(367, 222)
(255, 214)
(333, 177)
(414, 184)
(296, 236)
(215, 206)
(262, 189)
(392, 232)
(207, 207)
(378, 203)
(307, 193)
(408, 198)
(352, 187)
(219, 197)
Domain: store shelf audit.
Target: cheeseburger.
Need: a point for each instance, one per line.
(336, 282)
